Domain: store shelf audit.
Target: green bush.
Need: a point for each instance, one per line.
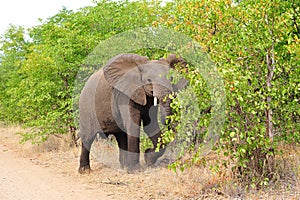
(255, 45)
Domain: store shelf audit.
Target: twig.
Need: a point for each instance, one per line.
(110, 182)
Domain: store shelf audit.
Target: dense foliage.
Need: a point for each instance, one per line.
(39, 73)
(254, 44)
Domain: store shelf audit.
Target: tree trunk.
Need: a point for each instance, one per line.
(270, 60)
(269, 112)
(72, 133)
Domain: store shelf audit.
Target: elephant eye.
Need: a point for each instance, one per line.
(149, 80)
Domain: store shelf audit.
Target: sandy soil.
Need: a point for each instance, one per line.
(49, 171)
(20, 179)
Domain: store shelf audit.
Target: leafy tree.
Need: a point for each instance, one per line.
(14, 48)
(43, 81)
(250, 43)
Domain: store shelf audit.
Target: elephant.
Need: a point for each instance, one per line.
(120, 98)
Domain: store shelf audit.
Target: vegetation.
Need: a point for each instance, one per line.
(254, 45)
(39, 73)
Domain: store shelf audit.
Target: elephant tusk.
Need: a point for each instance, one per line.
(155, 101)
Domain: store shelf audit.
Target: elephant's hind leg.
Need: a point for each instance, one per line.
(84, 166)
(84, 163)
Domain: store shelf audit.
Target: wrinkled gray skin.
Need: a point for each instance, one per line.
(118, 99)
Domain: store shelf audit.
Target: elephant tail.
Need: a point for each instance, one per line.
(77, 137)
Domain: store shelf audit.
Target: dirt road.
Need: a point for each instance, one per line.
(21, 179)
(49, 171)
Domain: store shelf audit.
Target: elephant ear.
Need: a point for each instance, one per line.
(123, 74)
(174, 61)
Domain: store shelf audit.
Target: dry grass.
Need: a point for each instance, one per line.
(197, 182)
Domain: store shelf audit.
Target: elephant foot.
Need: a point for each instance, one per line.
(151, 156)
(122, 166)
(84, 169)
(134, 169)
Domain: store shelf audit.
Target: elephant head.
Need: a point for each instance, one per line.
(139, 78)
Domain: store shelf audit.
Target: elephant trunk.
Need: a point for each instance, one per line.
(165, 110)
(160, 94)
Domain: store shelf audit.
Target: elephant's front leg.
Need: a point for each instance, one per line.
(151, 155)
(131, 118)
(133, 153)
(152, 129)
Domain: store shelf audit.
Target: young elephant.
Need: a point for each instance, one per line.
(118, 99)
